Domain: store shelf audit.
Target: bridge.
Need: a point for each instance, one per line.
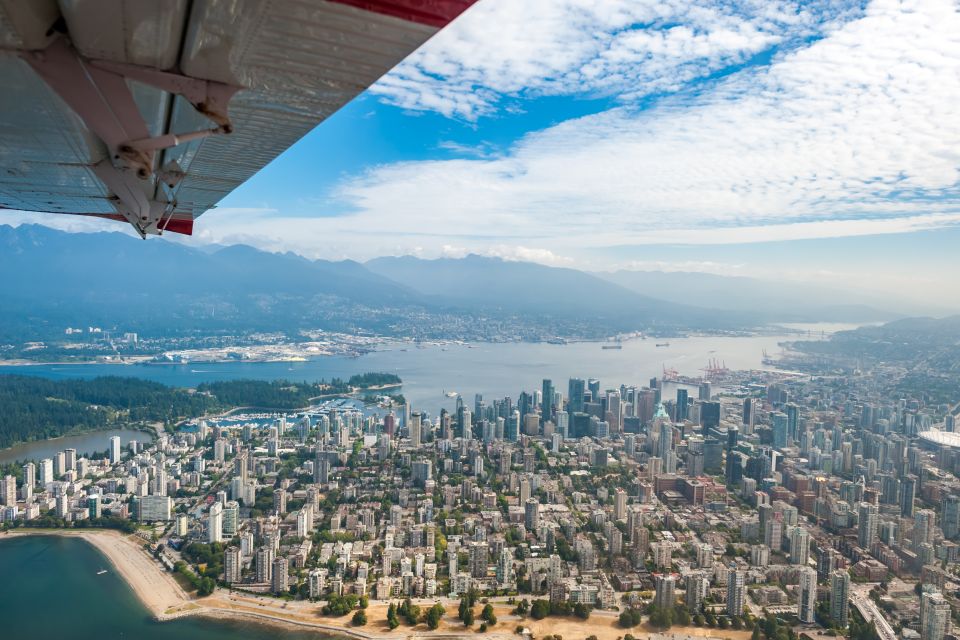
(868, 609)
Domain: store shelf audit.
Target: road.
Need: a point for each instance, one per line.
(868, 609)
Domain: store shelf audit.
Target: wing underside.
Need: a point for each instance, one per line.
(152, 112)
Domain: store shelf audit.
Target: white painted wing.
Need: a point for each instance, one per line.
(294, 63)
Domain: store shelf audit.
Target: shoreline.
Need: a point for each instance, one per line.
(153, 432)
(160, 593)
(156, 589)
(390, 344)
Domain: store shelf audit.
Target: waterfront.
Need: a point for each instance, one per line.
(60, 570)
(85, 444)
(494, 370)
(99, 566)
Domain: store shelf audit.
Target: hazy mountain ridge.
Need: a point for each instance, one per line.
(774, 301)
(937, 330)
(54, 279)
(477, 282)
(63, 279)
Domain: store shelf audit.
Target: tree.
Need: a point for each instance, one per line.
(723, 622)
(392, 621)
(433, 615)
(699, 621)
(540, 609)
(488, 614)
(409, 612)
(630, 618)
(523, 607)
(468, 618)
(581, 610)
(340, 605)
(206, 587)
(661, 618)
(472, 597)
(360, 618)
(861, 630)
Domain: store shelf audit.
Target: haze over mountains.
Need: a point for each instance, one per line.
(53, 279)
(778, 301)
(491, 284)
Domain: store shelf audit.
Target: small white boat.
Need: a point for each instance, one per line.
(101, 572)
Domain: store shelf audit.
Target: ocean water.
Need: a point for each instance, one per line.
(493, 370)
(49, 588)
(84, 443)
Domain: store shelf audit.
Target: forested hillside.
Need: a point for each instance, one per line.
(287, 395)
(33, 408)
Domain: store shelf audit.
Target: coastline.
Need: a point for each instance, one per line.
(390, 344)
(151, 430)
(153, 586)
(166, 600)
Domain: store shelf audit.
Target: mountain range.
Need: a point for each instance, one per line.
(775, 301)
(54, 279)
(485, 284)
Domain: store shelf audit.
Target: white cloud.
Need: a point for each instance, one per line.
(71, 223)
(518, 253)
(818, 230)
(510, 253)
(854, 134)
(624, 48)
(682, 266)
(448, 251)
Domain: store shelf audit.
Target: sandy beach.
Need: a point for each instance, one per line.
(154, 586)
(166, 600)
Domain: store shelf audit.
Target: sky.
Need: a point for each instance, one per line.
(813, 140)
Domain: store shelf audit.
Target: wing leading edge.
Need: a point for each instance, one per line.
(151, 113)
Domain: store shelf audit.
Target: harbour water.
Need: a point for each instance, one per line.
(50, 589)
(84, 443)
(494, 370)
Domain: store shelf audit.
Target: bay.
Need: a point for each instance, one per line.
(490, 369)
(85, 444)
(50, 589)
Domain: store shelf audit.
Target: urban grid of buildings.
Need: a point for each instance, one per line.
(786, 494)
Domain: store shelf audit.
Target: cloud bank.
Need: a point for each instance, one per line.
(855, 132)
(622, 48)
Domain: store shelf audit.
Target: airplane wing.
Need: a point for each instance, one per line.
(151, 111)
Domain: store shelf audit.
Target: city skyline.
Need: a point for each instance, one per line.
(579, 501)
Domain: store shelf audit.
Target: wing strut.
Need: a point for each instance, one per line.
(98, 93)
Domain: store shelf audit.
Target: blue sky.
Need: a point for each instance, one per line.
(370, 131)
(815, 140)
